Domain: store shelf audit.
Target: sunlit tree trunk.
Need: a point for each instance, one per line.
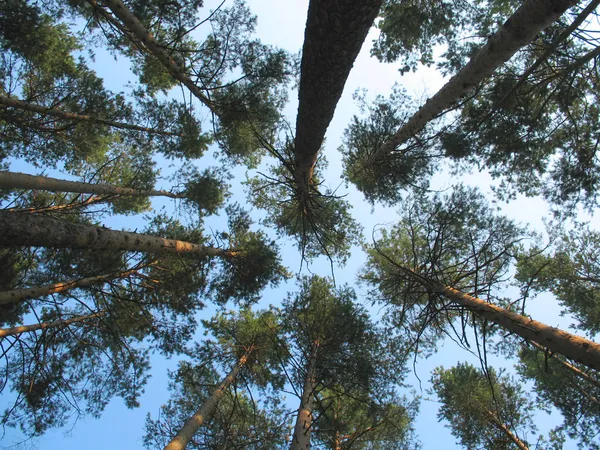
(334, 34)
(15, 180)
(53, 112)
(301, 438)
(18, 295)
(493, 418)
(519, 30)
(61, 323)
(148, 41)
(27, 229)
(207, 409)
(558, 341)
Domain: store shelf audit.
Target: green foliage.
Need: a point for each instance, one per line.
(204, 191)
(479, 407)
(575, 398)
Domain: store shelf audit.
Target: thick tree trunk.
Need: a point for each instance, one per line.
(334, 34)
(15, 180)
(19, 295)
(519, 30)
(45, 325)
(26, 229)
(208, 408)
(32, 107)
(558, 341)
(301, 438)
(120, 10)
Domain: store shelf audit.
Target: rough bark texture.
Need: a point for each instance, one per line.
(519, 30)
(335, 31)
(19, 295)
(207, 410)
(558, 341)
(301, 438)
(44, 325)
(146, 38)
(31, 107)
(26, 229)
(15, 180)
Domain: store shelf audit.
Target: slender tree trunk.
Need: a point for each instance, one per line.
(26, 229)
(334, 34)
(18, 295)
(208, 408)
(558, 341)
(301, 438)
(501, 426)
(148, 41)
(15, 180)
(53, 112)
(60, 323)
(519, 30)
(577, 372)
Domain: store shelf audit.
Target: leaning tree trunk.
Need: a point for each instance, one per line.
(26, 229)
(53, 112)
(148, 41)
(15, 180)
(334, 34)
(207, 409)
(502, 427)
(301, 438)
(19, 295)
(60, 323)
(558, 341)
(519, 30)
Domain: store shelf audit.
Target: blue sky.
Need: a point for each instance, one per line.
(282, 24)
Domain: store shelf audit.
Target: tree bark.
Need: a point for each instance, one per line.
(207, 409)
(53, 112)
(301, 438)
(572, 346)
(16, 180)
(334, 34)
(148, 41)
(519, 30)
(26, 229)
(45, 325)
(502, 427)
(19, 295)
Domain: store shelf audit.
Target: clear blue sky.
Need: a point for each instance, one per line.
(282, 24)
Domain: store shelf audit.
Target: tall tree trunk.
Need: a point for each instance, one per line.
(60, 323)
(16, 180)
(519, 30)
(18, 295)
(207, 409)
(301, 438)
(502, 427)
(26, 229)
(577, 372)
(53, 112)
(148, 41)
(558, 341)
(334, 34)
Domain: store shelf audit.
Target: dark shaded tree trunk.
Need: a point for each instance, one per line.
(32, 107)
(519, 30)
(26, 229)
(335, 32)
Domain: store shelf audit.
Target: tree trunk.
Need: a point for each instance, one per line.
(32, 107)
(334, 34)
(501, 426)
(301, 438)
(207, 409)
(15, 180)
(519, 30)
(26, 229)
(558, 341)
(18, 295)
(44, 325)
(577, 372)
(147, 40)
